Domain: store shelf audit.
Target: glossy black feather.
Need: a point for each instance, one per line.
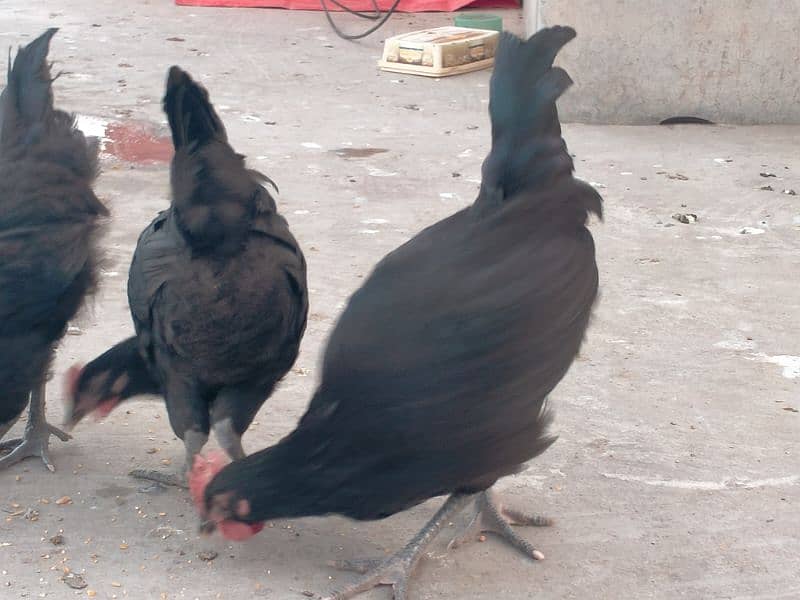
(436, 375)
(28, 96)
(217, 285)
(49, 219)
(192, 118)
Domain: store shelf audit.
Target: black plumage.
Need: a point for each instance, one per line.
(435, 377)
(217, 290)
(49, 224)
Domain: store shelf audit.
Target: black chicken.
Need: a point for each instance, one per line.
(435, 378)
(217, 291)
(49, 224)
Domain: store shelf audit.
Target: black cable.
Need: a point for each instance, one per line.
(346, 36)
(376, 12)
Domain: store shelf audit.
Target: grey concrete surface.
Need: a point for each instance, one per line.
(676, 474)
(647, 60)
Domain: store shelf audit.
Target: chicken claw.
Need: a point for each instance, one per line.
(398, 569)
(492, 517)
(36, 439)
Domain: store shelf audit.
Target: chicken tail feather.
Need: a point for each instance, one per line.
(27, 101)
(214, 196)
(527, 148)
(191, 116)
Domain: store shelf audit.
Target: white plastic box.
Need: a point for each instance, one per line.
(440, 52)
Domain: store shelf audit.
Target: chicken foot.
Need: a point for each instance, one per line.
(36, 439)
(488, 515)
(398, 569)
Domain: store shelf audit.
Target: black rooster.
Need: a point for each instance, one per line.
(217, 291)
(436, 376)
(49, 224)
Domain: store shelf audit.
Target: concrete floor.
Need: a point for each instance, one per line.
(677, 473)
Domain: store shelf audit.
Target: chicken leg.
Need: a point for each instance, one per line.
(488, 515)
(36, 439)
(398, 569)
(228, 439)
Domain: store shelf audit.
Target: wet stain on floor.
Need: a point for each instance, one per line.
(137, 143)
(358, 152)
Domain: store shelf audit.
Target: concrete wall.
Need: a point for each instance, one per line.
(640, 61)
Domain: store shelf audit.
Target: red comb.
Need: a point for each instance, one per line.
(203, 471)
(104, 408)
(236, 531)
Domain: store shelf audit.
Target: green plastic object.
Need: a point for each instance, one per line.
(479, 21)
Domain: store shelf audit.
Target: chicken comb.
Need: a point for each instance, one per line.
(204, 469)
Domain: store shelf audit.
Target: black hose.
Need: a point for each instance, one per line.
(376, 16)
